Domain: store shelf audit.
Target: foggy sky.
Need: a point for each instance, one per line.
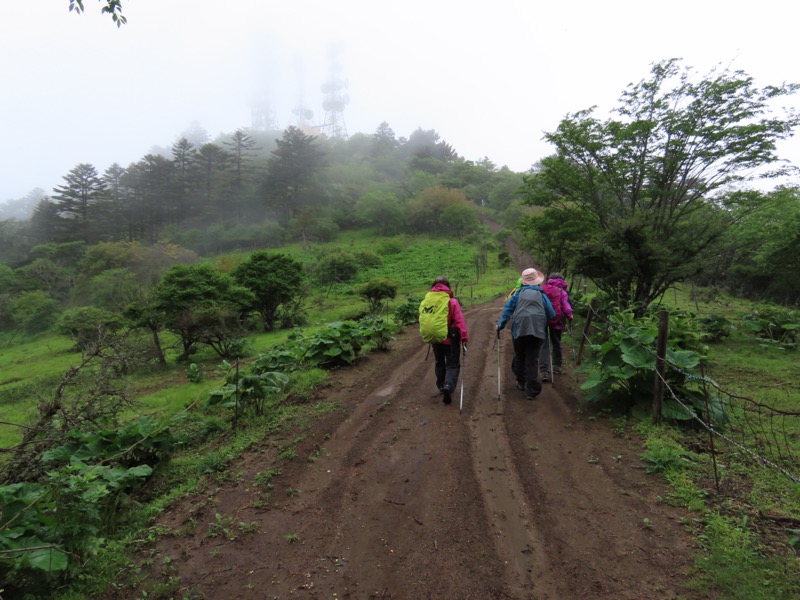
(490, 78)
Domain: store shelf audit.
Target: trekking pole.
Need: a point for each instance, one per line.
(498, 364)
(550, 357)
(463, 375)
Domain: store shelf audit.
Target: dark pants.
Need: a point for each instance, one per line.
(448, 362)
(525, 364)
(555, 347)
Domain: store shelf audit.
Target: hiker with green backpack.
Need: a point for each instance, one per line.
(442, 325)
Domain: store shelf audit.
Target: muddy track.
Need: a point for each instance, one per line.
(396, 495)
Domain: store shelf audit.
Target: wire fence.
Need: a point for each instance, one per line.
(755, 431)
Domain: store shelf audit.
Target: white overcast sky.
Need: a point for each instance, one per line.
(489, 77)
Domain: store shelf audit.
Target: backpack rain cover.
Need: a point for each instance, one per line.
(433, 312)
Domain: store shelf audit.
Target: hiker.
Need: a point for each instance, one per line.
(442, 325)
(556, 290)
(529, 309)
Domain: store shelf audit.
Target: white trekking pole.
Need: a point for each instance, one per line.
(463, 374)
(550, 357)
(498, 363)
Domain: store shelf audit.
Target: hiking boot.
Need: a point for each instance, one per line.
(521, 385)
(531, 396)
(446, 395)
(557, 370)
(545, 377)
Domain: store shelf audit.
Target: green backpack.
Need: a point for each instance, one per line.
(433, 312)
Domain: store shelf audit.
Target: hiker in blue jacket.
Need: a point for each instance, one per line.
(528, 309)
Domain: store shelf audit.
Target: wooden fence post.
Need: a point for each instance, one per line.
(661, 352)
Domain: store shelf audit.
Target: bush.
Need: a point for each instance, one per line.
(337, 267)
(88, 325)
(774, 324)
(407, 313)
(376, 291)
(33, 312)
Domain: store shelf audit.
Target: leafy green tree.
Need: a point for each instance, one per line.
(376, 291)
(652, 181)
(45, 274)
(760, 258)
(274, 280)
(113, 289)
(201, 304)
(88, 326)
(460, 219)
(382, 210)
(33, 312)
(338, 266)
(427, 210)
(309, 226)
(292, 167)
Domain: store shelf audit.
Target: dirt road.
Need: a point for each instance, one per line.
(399, 496)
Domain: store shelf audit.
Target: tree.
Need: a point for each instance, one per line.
(89, 326)
(77, 199)
(200, 305)
(274, 279)
(376, 291)
(761, 255)
(652, 183)
(382, 210)
(33, 312)
(292, 166)
(241, 147)
(426, 212)
(460, 219)
(212, 162)
(112, 7)
(384, 140)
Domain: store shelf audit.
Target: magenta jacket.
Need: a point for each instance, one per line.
(556, 290)
(455, 319)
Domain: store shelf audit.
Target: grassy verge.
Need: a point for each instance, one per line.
(746, 522)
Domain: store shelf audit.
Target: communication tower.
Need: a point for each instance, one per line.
(334, 99)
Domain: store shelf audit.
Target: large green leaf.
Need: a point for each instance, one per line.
(45, 559)
(637, 356)
(683, 359)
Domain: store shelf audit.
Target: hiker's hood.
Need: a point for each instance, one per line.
(440, 287)
(559, 283)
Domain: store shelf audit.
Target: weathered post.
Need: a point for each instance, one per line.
(661, 355)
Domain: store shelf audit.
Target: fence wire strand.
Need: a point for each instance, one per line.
(759, 430)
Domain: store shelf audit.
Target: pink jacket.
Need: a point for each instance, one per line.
(455, 318)
(556, 290)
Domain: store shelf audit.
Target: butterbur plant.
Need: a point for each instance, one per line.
(775, 325)
(622, 366)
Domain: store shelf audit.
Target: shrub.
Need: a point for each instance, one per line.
(376, 291)
(88, 325)
(33, 312)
